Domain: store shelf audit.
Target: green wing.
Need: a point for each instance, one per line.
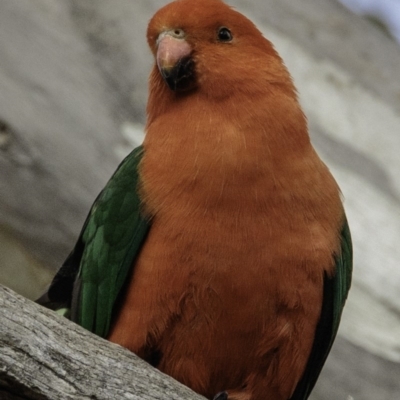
(93, 275)
(336, 289)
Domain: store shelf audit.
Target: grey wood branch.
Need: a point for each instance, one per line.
(45, 356)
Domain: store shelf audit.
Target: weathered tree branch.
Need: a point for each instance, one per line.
(45, 356)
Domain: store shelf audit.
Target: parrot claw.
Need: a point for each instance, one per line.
(221, 396)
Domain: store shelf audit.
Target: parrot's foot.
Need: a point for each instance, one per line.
(234, 395)
(221, 396)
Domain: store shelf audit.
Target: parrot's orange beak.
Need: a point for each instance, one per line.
(174, 60)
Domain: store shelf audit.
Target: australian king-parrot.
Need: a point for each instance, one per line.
(219, 250)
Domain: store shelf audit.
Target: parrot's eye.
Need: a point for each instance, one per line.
(224, 34)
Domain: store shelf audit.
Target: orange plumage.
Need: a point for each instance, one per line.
(228, 287)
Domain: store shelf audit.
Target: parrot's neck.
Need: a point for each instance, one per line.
(209, 155)
(270, 120)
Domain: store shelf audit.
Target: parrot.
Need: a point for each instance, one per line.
(219, 251)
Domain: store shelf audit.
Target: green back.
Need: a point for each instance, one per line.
(110, 240)
(336, 289)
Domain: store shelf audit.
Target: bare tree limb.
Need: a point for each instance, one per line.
(45, 356)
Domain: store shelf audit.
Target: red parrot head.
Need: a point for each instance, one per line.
(205, 44)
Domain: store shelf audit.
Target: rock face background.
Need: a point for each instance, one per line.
(73, 88)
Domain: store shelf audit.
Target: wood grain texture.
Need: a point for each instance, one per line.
(45, 356)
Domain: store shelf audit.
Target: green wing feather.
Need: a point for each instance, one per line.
(93, 275)
(336, 289)
(114, 233)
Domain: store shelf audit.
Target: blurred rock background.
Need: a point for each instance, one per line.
(73, 89)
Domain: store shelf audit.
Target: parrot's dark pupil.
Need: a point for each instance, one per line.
(224, 35)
